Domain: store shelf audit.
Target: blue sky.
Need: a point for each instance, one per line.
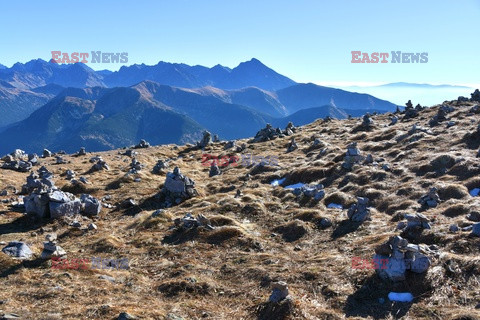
(307, 40)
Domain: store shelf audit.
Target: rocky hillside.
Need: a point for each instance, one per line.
(401, 188)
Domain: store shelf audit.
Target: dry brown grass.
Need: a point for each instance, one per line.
(226, 273)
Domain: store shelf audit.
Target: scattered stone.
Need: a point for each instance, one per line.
(206, 140)
(359, 212)
(325, 223)
(157, 213)
(431, 199)
(474, 216)
(46, 153)
(92, 226)
(453, 228)
(393, 120)
(125, 316)
(76, 224)
(292, 145)
(128, 203)
(108, 278)
(417, 221)
(190, 222)
(279, 292)
(229, 144)
(33, 159)
(18, 249)
(476, 230)
(142, 144)
(214, 171)
(215, 138)
(368, 159)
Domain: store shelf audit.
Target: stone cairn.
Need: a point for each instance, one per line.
(214, 171)
(270, 133)
(431, 199)
(99, 164)
(292, 145)
(177, 188)
(410, 111)
(352, 156)
(46, 200)
(312, 191)
(142, 144)
(401, 256)
(82, 152)
(367, 122)
(206, 140)
(46, 153)
(19, 161)
(190, 222)
(135, 166)
(159, 167)
(359, 211)
(414, 222)
(50, 247)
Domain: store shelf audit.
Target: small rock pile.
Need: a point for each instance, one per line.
(50, 247)
(352, 156)
(415, 222)
(410, 112)
(190, 222)
(266, 134)
(431, 199)
(290, 129)
(206, 140)
(60, 160)
(135, 166)
(160, 166)
(359, 212)
(401, 256)
(312, 191)
(177, 188)
(99, 164)
(475, 96)
(292, 145)
(229, 144)
(16, 161)
(46, 153)
(393, 120)
(142, 144)
(214, 171)
(45, 200)
(367, 122)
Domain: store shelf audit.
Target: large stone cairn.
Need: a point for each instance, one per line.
(359, 211)
(46, 200)
(401, 256)
(265, 134)
(177, 188)
(18, 160)
(352, 156)
(206, 140)
(431, 199)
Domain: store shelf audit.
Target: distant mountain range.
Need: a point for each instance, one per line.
(39, 72)
(105, 118)
(53, 106)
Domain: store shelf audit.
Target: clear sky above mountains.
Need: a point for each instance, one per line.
(308, 41)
